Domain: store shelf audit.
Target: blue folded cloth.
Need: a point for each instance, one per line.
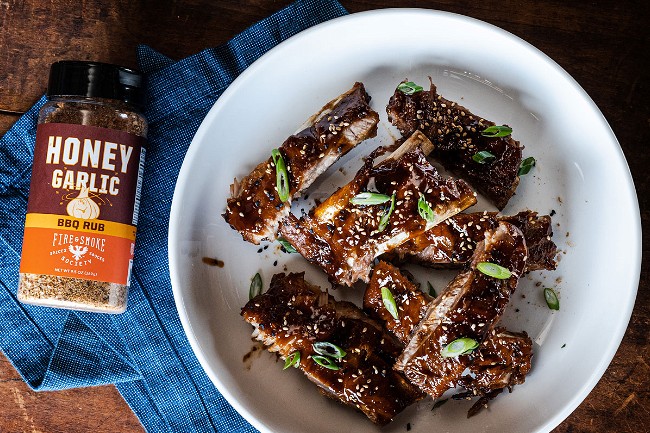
(143, 351)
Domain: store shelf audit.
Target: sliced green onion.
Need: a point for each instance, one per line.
(432, 291)
(389, 302)
(292, 360)
(324, 361)
(287, 246)
(281, 175)
(425, 210)
(483, 156)
(526, 165)
(256, 286)
(497, 131)
(439, 403)
(326, 348)
(551, 299)
(383, 222)
(369, 198)
(461, 346)
(409, 88)
(494, 270)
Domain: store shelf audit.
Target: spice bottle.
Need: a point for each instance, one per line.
(82, 209)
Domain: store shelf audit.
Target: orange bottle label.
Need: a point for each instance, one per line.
(83, 203)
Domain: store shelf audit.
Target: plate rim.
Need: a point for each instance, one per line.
(612, 345)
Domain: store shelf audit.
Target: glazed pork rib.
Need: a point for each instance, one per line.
(452, 242)
(255, 208)
(469, 307)
(293, 315)
(456, 135)
(501, 361)
(411, 302)
(344, 238)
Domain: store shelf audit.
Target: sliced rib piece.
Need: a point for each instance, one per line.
(255, 209)
(452, 243)
(456, 135)
(411, 303)
(343, 238)
(293, 315)
(468, 308)
(501, 361)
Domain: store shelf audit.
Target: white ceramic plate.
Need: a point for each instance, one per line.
(581, 173)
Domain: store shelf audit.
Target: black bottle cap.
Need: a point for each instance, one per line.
(96, 80)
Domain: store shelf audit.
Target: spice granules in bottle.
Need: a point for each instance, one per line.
(84, 195)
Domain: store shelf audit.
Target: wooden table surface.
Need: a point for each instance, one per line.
(604, 45)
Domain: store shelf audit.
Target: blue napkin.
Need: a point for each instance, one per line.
(143, 351)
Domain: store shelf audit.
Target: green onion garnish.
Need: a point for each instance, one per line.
(287, 246)
(439, 403)
(409, 88)
(526, 165)
(425, 210)
(292, 360)
(432, 291)
(383, 222)
(389, 302)
(369, 198)
(324, 361)
(326, 348)
(256, 286)
(461, 346)
(497, 131)
(494, 270)
(551, 299)
(483, 156)
(281, 175)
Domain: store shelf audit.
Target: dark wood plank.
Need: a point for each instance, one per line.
(604, 45)
(78, 410)
(6, 120)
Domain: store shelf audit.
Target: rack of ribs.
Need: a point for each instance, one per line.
(456, 135)
(293, 315)
(452, 243)
(469, 307)
(344, 238)
(255, 208)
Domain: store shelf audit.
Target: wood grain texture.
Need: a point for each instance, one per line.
(100, 409)
(604, 45)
